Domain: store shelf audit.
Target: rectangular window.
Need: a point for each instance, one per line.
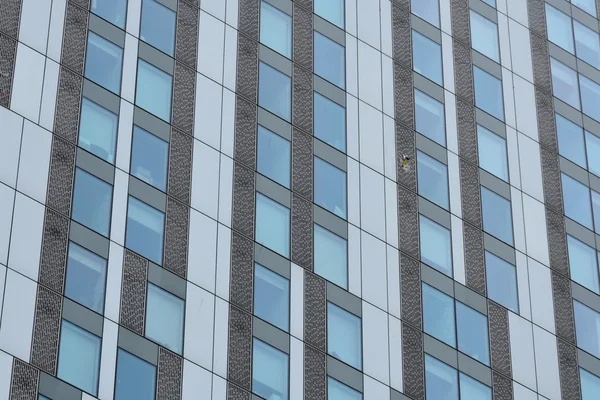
(501, 282)
(472, 328)
(79, 358)
(583, 264)
(330, 122)
(432, 179)
(587, 44)
(564, 83)
(164, 318)
(488, 93)
(271, 297)
(441, 380)
(596, 210)
(429, 116)
(436, 246)
(492, 153)
(331, 10)
(559, 28)
(427, 57)
(570, 140)
(158, 26)
(338, 391)
(103, 63)
(492, 3)
(589, 6)
(272, 225)
(153, 90)
(576, 200)
(587, 327)
(269, 371)
(273, 156)
(331, 256)
(470, 389)
(484, 35)
(275, 29)
(590, 97)
(344, 336)
(274, 91)
(113, 11)
(590, 385)
(86, 278)
(135, 379)
(592, 144)
(98, 130)
(438, 315)
(497, 215)
(428, 10)
(149, 158)
(330, 187)
(145, 230)
(92, 200)
(330, 60)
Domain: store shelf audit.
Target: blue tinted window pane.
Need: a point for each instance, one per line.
(149, 157)
(92, 199)
(86, 278)
(276, 29)
(590, 385)
(576, 199)
(338, 391)
(492, 153)
(559, 28)
(441, 380)
(596, 209)
(570, 140)
(564, 83)
(79, 357)
(433, 179)
(330, 122)
(344, 338)
(490, 2)
(589, 6)
(330, 187)
(583, 264)
(111, 10)
(497, 216)
(488, 93)
(470, 389)
(430, 118)
(103, 63)
(590, 97)
(436, 247)
(587, 43)
(472, 333)
(438, 315)
(331, 256)
(587, 327)
(274, 91)
(484, 35)
(145, 230)
(592, 143)
(164, 318)
(273, 156)
(331, 10)
(136, 378)
(153, 90)
(269, 371)
(330, 60)
(427, 57)
(272, 225)
(98, 130)
(40, 397)
(271, 297)
(501, 282)
(158, 26)
(429, 10)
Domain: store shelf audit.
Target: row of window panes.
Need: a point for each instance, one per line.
(583, 263)
(579, 200)
(575, 89)
(443, 382)
(577, 145)
(429, 10)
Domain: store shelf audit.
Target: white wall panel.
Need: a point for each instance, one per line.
(352, 65)
(504, 39)
(221, 337)
(205, 179)
(223, 261)
(108, 361)
(202, 255)
(225, 190)
(546, 361)
(352, 140)
(448, 62)
(27, 83)
(512, 146)
(454, 184)
(34, 162)
(375, 343)
(7, 202)
(353, 176)
(33, 27)
(395, 328)
(369, 74)
(49, 91)
(371, 137)
(232, 13)
(26, 237)
(536, 234)
(458, 250)
(124, 135)
(55, 31)
(445, 13)
(6, 361)
(230, 58)
(389, 147)
(297, 302)
(228, 123)
(385, 7)
(368, 22)
(374, 273)
(375, 390)
(296, 369)
(522, 393)
(354, 261)
(517, 10)
(112, 302)
(211, 45)
(197, 382)
(372, 202)
(517, 215)
(10, 145)
(523, 286)
(525, 107)
(451, 128)
(219, 389)
(391, 213)
(521, 46)
(387, 70)
(393, 281)
(119, 207)
(509, 100)
(542, 307)
(521, 350)
(130, 61)
(209, 97)
(531, 173)
(350, 24)
(214, 7)
(134, 10)
(199, 326)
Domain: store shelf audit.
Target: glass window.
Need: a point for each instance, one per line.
(274, 91)
(587, 44)
(271, 297)
(330, 122)
(484, 34)
(472, 328)
(441, 381)
(103, 63)
(331, 10)
(330, 187)
(276, 29)
(497, 216)
(79, 357)
(436, 247)
(590, 385)
(587, 327)
(490, 2)
(331, 256)
(564, 83)
(164, 319)
(86, 278)
(589, 6)
(592, 144)
(438, 315)
(92, 199)
(429, 10)
(98, 130)
(559, 28)
(145, 230)
(338, 391)
(149, 158)
(583, 264)
(274, 156)
(570, 140)
(158, 26)
(576, 200)
(430, 118)
(488, 93)
(272, 225)
(492, 153)
(501, 282)
(330, 60)
(269, 371)
(41, 397)
(470, 389)
(427, 57)
(590, 97)
(111, 10)
(153, 90)
(596, 209)
(344, 337)
(135, 378)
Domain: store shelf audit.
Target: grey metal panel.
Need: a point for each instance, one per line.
(569, 371)
(271, 335)
(302, 232)
(467, 132)
(315, 311)
(495, 184)
(273, 261)
(152, 124)
(551, 180)
(269, 121)
(247, 68)
(239, 362)
(470, 298)
(408, 223)
(492, 124)
(315, 373)
(428, 87)
(46, 330)
(474, 258)
(234, 392)
(344, 299)
(537, 17)
(499, 339)
(273, 190)
(557, 243)
(330, 221)
(184, 98)
(413, 363)
(24, 381)
(186, 45)
(133, 292)
(243, 200)
(302, 164)
(562, 55)
(432, 148)
(303, 99)
(61, 176)
(284, 5)
(588, 362)
(499, 248)
(68, 105)
(563, 308)
(470, 193)
(138, 346)
(486, 64)
(179, 181)
(580, 232)
(176, 237)
(440, 350)
(54, 251)
(54, 388)
(401, 34)
(404, 96)
(410, 281)
(89, 239)
(147, 194)
(95, 166)
(585, 296)
(101, 96)
(242, 272)
(329, 90)
(405, 146)
(107, 30)
(344, 373)
(248, 11)
(573, 170)
(326, 28)
(463, 72)
(303, 37)
(474, 369)
(245, 133)
(541, 64)
(167, 280)
(8, 55)
(156, 57)
(330, 154)
(502, 387)
(169, 379)
(75, 38)
(438, 280)
(461, 23)
(426, 29)
(82, 317)
(10, 17)
(275, 59)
